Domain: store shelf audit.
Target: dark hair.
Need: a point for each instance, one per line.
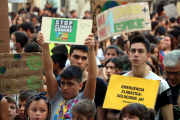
(175, 33)
(154, 24)
(32, 47)
(159, 38)
(21, 38)
(85, 107)
(78, 47)
(37, 97)
(172, 19)
(141, 39)
(117, 62)
(72, 11)
(72, 72)
(172, 41)
(152, 67)
(151, 38)
(175, 27)
(126, 63)
(139, 110)
(87, 12)
(156, 64)
(113, 47)
(13, 28)
(10, 99)
(153, 46)
(25, 95)
(161, 30)
(27, 25)
(62, 48)
(120, 42)
(60, 58)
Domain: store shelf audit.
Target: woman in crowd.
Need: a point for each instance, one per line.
(168, 43)
(20, 19)
(113, 66)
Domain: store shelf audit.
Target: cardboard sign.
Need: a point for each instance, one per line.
(130, 17)
(20, 72)
(4, 27)
(123, 90)
(170, 10)
(98, 6)
(65, 31)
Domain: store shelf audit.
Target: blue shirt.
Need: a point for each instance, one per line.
(162, 53)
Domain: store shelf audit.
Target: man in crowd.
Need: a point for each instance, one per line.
(138, 55)
(27, 28)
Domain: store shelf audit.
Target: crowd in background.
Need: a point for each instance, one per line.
(90, 67)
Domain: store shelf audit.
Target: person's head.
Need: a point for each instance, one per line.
(160, 42)
(154, 25)
(20, 19)
(32, 47)
(154, 61)
(113, 66)
(34, 19)
(84, 110)
(59, 60)
(126, 63)
(18, 40)
(79, 56)
(26, 27)
(164, 23)
(151, 38)
(155, 50)
(168, 42)
(12, 106)
(139, 51)
(111, 51)
(73, 14)
(136, 111)
(87, 14)
(150, 67)
(62, 48)
(38, 107)
(12, 29)
(23, 97)
(71, 82)
(172, 20)
(175, 33)
(171, 63)
(160, 31)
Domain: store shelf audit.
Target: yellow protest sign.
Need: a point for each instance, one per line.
(123, 90)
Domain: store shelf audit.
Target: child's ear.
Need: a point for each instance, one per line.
(80, 85)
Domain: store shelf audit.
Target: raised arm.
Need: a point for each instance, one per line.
(51, 82)
(90, 86)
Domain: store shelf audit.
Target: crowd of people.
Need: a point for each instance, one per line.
(76, 77)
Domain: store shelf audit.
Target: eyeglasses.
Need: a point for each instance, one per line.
(111, 67)
(173, 73)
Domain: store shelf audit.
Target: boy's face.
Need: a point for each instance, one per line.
(70, 88)
(22, 105)
(110, 53)
(76, 116)
(138, 54)
(79, 58)
(12, 111)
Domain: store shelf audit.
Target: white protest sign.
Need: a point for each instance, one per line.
(170, 10)
(130, 17)
(65, 31)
